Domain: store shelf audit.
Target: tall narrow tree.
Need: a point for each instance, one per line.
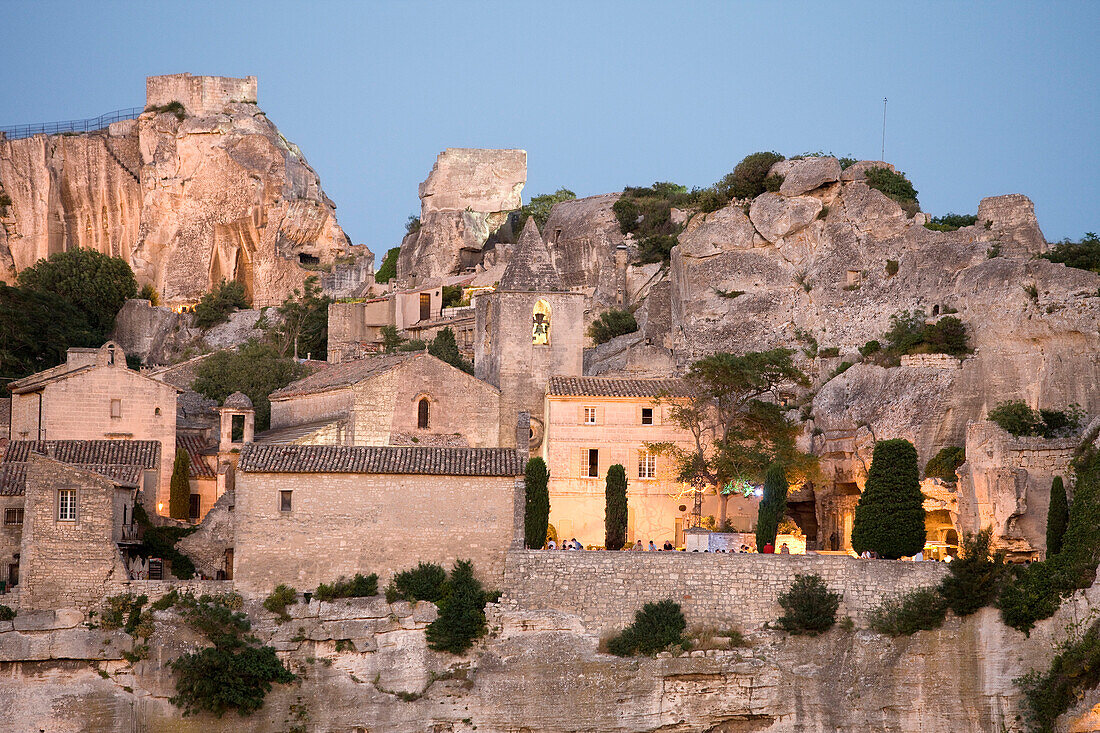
(1057, 517)
(773, 505)
(890, 515)
(179, 497)
(615, 515)
(536, 514)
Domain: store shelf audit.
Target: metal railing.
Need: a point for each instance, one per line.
(55, 128)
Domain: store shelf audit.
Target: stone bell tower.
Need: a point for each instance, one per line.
(530, 329)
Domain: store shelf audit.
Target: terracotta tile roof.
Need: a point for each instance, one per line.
(145, 453)
(615, 387)
(292, 433)
(380, 459)
(530, 267)
(13, 476)
(344, 374)
(197, 447)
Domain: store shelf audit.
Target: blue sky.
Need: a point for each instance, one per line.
(985, 98)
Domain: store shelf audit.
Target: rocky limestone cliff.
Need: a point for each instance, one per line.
(213, 193)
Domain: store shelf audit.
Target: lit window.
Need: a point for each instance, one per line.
(422, 408)
(592, 470)
(540, 324)
(13, 516)
(647, 464)
(285, 500)
(590, 416)
(66, 505)
(647, 416)
(116, 408)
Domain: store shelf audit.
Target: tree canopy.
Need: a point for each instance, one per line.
(257, 369)
(98, 285)
(889, 518)
(304, 330)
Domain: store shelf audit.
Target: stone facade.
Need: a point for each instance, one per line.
(719, 590)
(200, 95)
(355, 329)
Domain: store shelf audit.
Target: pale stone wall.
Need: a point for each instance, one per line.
(931, 361)
(200, 95)
(311, 408)
(65, 564)
(605, 588)
(11, 536)
(342, 524)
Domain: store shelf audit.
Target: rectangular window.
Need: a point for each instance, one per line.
(590, 416)
(195, 506)
(593, 468)
(13, 516)
(284, 500)
(647, 464)
(647, 416)
(237, 428)
(116, 408)
(66, 505)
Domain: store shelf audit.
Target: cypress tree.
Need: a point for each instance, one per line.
(614, 520)
(536, 514)
(773, 505)
(890, 515)
(179, 498)
(1057, 517)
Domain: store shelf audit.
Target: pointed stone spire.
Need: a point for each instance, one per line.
(531, 269)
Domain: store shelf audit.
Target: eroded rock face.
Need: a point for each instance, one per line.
(776, 216)
(583, 236)
(188, 202)
(809, 173)
(721, 231)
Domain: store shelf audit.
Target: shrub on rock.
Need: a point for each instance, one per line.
(612, 323)
(810, 607)
(426, 582)
(919, 610)
(656, 627)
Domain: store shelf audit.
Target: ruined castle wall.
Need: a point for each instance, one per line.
(605, 588)
(200, 95)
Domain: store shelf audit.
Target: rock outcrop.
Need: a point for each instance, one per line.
(190, 198)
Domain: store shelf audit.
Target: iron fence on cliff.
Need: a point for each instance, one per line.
(56, 128)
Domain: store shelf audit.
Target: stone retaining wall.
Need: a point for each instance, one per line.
(605, 588)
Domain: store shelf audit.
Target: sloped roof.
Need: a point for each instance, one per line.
(238, 400)
(344, 374)
(13, 476)
(292, 433)
(616, 387)
(380, 459)
(144, 453)
(530, 268)
(46, 376)
(197, 447)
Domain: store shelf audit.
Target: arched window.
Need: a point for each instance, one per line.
(422, 413)
(540, 324)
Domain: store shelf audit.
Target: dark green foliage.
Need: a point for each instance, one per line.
(1021, 421)
(256, 369)
(612, 323)
(748, 179)
(615, 510)
(148, 292)
(426, 582)
(657, 248)
(174, 108)
(1038, 589)
(412, 345)
(772, 184)
(891, 268)
(841, 368)
(919, 610)
(947, 336)
(6, 614)
(896, 186)
(388, 269)
(656, 627)
(977, 575)
(461, 611)
(412, 226)
(161, 542)
(36, 329)
(215, 306)
(951, 222)
(445, 348)
(536, 513)
(944, 464)
(910, 334)
(95, 284)
(179, 500)
(889, 518)
(280, 598)
(391, 339)
(906, 331)
(847, 162)
(1057, 517)
(234, 673)
(539, 207)
(1084, 255)
(810, 607)
(829, 352)
(304, 330)
(452, 295)
(123, 612)
(870, 348)
(773, 506)
(1072, 672)
(359, 586)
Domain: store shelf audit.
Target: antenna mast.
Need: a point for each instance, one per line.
(883, 129)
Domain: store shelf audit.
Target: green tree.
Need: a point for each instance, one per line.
(615, 514)
(889, 518)
(539, 208)
(36, 329)
(391, 339)
(445, 348)
(947, 336)
(536, 514)
(976, 575)
(896, 186)
(95, 284)
(1057, 517)
(461, 612)
(773, 506)
(148, 292)
(304, 330)
(944, 464)
(729, 407)
(388, 269)
(257, 369)
(1084, 255)
(215, 306)
(747, 179)
(612, 323)
(179, 499)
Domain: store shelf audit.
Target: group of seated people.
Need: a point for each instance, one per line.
(573, 544)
